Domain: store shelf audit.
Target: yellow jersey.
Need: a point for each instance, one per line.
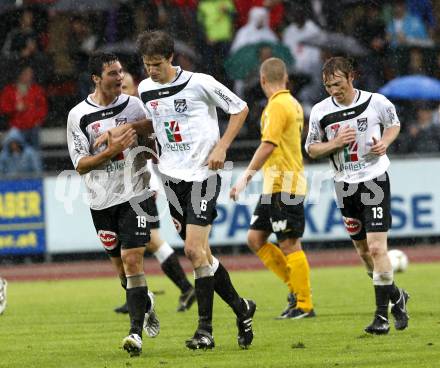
(282, 122)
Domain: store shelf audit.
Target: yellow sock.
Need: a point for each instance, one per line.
(299, 276)
(275, 260)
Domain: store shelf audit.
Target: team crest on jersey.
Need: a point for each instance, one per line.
(180, 105)
(120, 121)
(362, 124)
(95, 127)
(154, 105)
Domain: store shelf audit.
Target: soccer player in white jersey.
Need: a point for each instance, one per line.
(182, 108)
(116, 182)
(162, 251)
(346, 127)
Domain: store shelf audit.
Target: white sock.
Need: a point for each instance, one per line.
(215, 263)
(383, 278)
(163, 252)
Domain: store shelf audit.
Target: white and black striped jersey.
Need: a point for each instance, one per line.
(367, 113)
(122, 177)
(185, 121)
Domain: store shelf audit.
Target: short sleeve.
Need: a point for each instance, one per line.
(220, 95)
(141, 111)
(77, 142)
(387, 112)
(315, 133)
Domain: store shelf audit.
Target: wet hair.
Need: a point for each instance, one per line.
(98, 60)
(337, 64)
(155, 43)
(274, 70)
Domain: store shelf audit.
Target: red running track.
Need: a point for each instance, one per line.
(92, 269)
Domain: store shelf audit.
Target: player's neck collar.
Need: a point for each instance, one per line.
(91, 101)
(280, 91)
(356, 98)
(178, 71)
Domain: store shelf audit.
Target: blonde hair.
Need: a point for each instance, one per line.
(274, 70)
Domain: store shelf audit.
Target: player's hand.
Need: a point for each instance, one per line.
(119, 144)
(345, 136)
(379, 148)
(238, 187)
(116, 132)
(103, 138)
(216, 159)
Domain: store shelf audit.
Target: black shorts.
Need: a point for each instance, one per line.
(192, 202)
(153, 213)
(368, 208)
(280, 213)
(120, 226)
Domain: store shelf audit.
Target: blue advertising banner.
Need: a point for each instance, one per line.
(22, 227)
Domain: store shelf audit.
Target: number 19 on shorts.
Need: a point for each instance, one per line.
(142, 221)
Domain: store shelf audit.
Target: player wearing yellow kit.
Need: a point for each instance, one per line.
(280, 209)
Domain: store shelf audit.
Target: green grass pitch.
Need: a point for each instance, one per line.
(71, 323)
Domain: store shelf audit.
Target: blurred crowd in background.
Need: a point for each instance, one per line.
(45, 45)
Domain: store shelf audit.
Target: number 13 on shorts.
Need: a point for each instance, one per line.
(377, 212)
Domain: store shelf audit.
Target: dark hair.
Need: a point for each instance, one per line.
(337, 64)
(98, 60)
(155, 43)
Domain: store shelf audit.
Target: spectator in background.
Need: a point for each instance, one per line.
(423, 9)
(301, 27)
(405, 29)
(275, 8)
(81, 44)
(416, 63)
(17, 158)
(22, 45)
(307, 59)
(177, 15)
(255, 30)
(18, 38)
(371, 33)
(423, 135)
(216, 18)
(120, 25)
(24, 103)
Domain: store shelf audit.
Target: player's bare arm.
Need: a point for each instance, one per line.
(115, 145)
(217, 156)
(380, 147)
(261, 155)
(345, 136)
